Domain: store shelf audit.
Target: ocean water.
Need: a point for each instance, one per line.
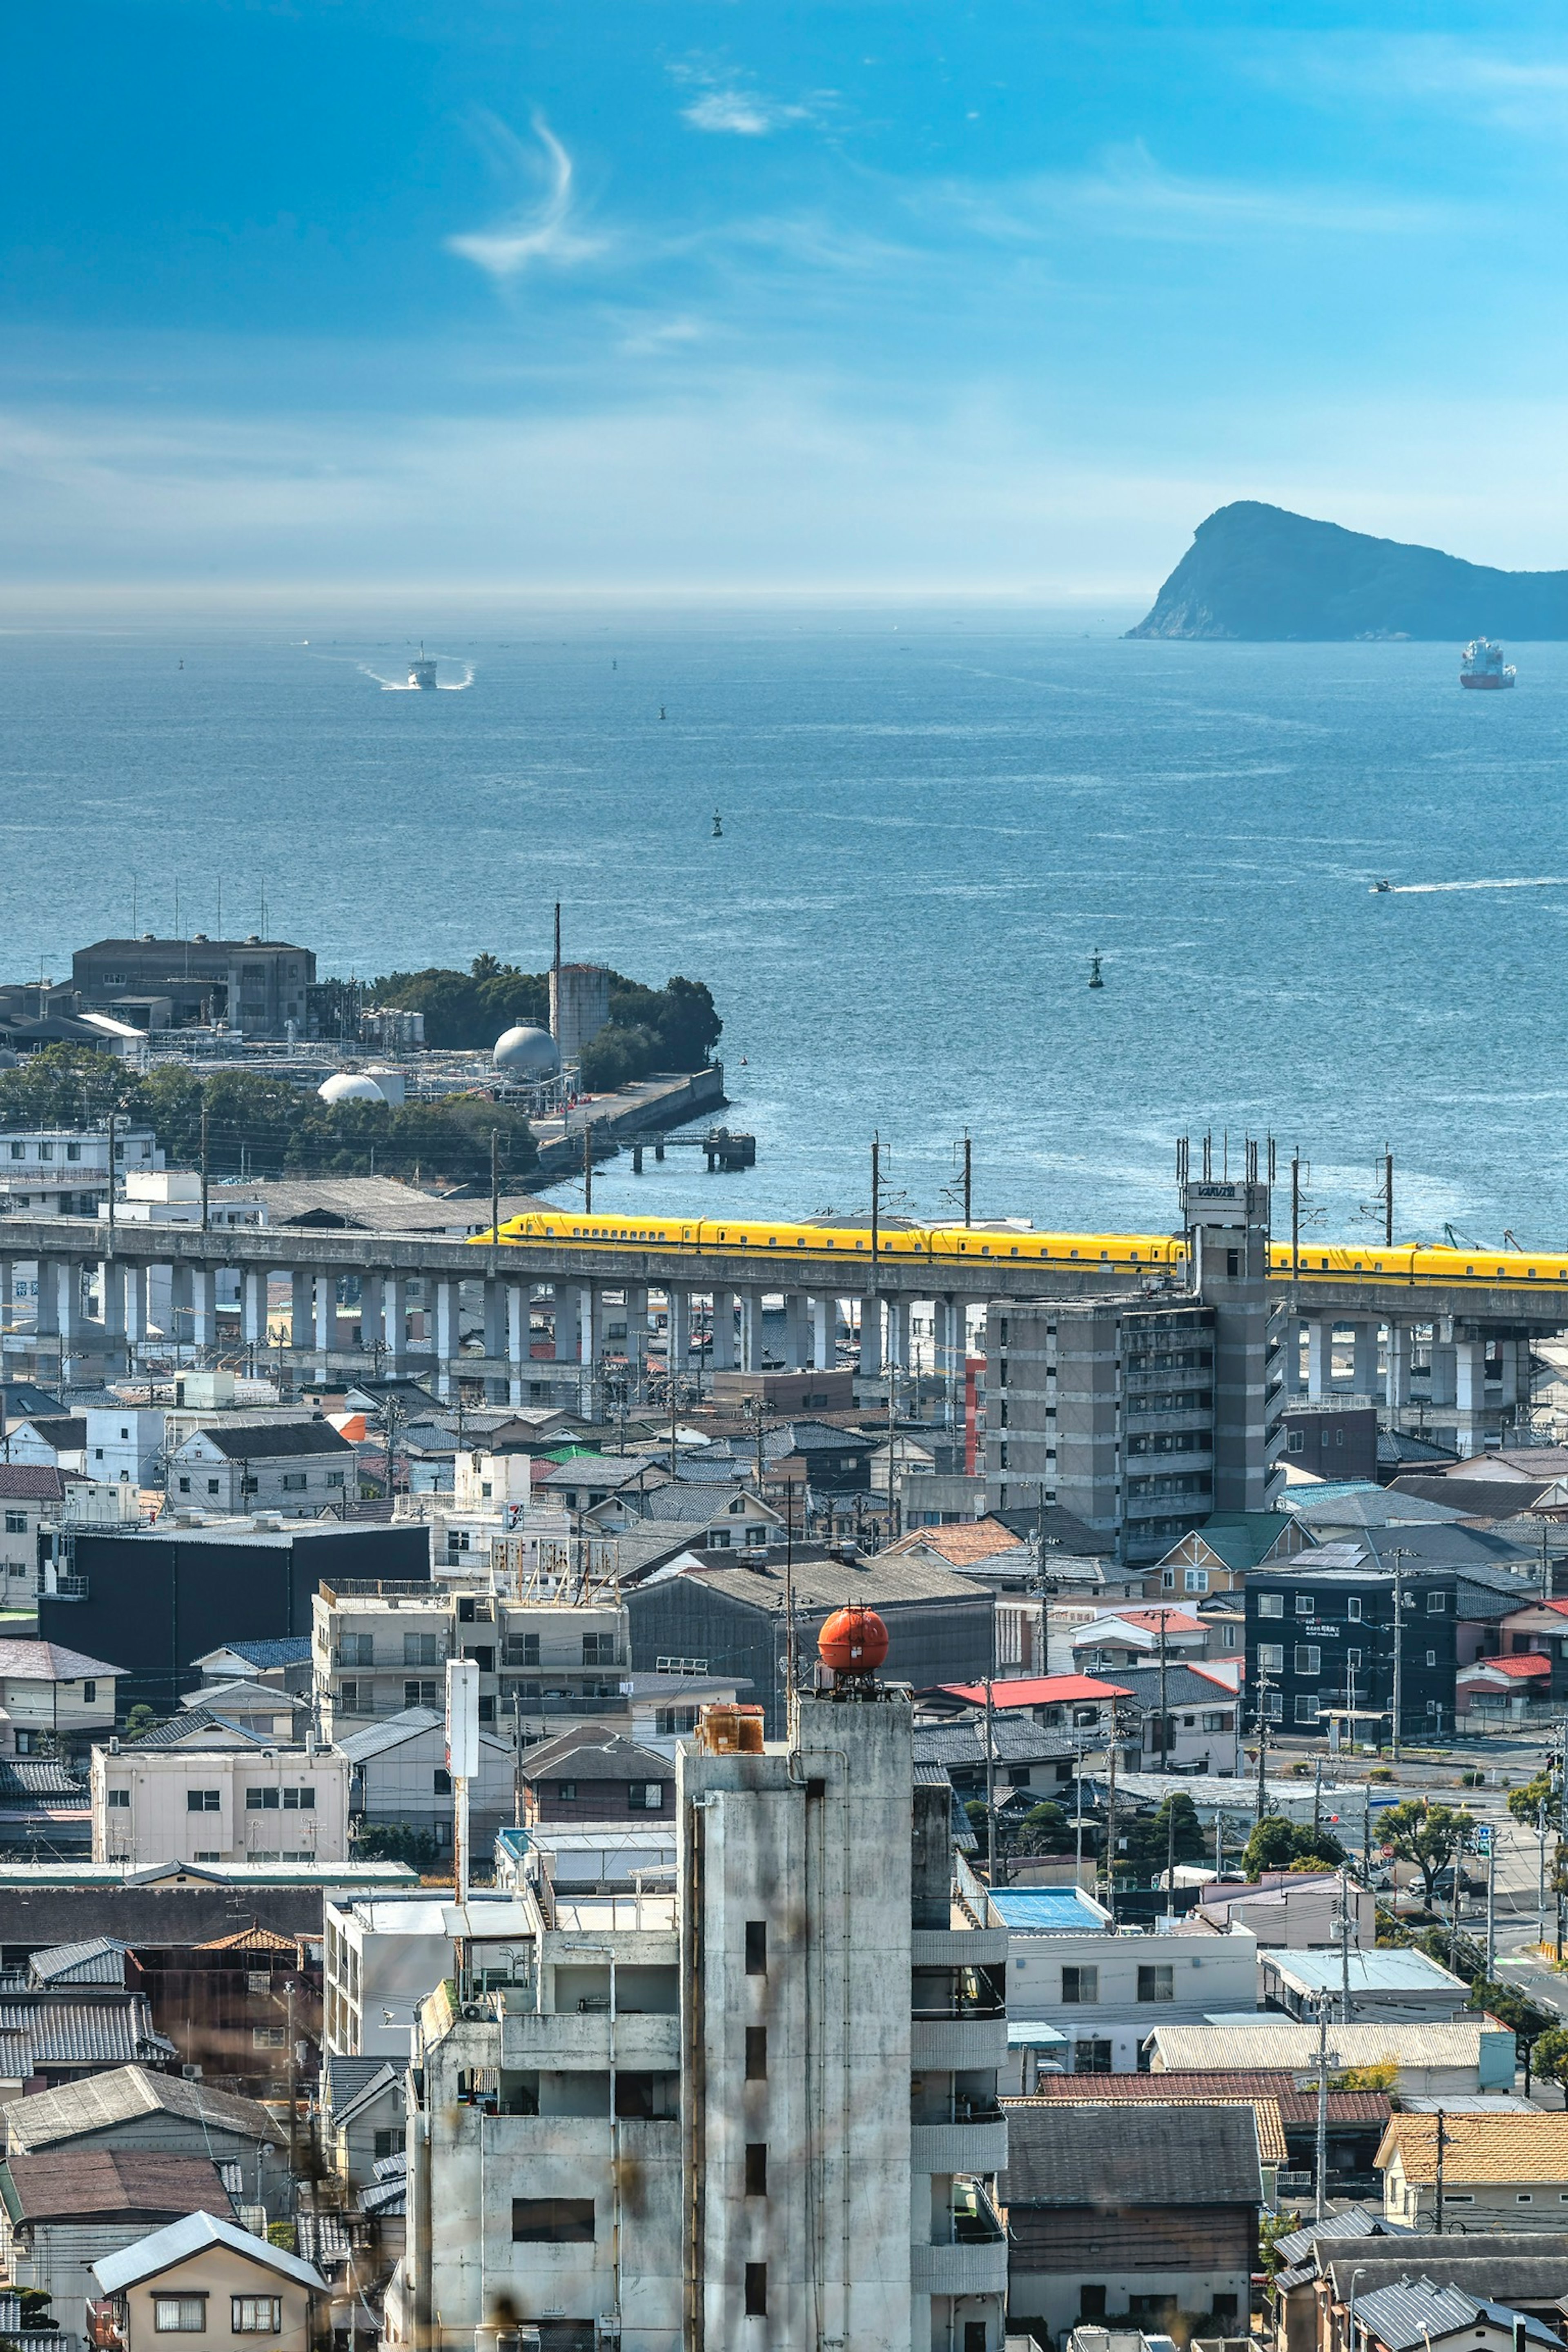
(931, 821)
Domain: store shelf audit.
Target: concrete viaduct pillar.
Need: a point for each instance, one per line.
(677, 1330)
(1320, 1356)
(870, 1337)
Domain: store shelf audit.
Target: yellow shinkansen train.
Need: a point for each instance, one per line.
(1131, 1254)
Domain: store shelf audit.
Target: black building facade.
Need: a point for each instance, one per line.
(151, 1603)
(1322, 1640)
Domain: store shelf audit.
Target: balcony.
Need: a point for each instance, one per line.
(958, 1948)
(977, 2145)
(953, 2045)
(103, 2329)
(972, 2256)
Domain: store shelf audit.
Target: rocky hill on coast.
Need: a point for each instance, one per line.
(1258, 571)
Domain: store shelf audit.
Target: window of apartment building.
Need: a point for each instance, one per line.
(422, 1649)
(299, 1801)
(16, 1523)
(294, 1481)
(1431, 1657)
(388, 2142)
(356, 1649)
(669, 1721)
(256, 2314)
(1353, 1662)
(566, 1792)
(1307, 1707)
(756, 2054)
(200, 1800)
(180, 2315)
(184, 1485)
(1435, 1603)
(18, 1151)
(1081, 1986)
(1273, 1707)
(553, 2221)
(1195, 1580)
(441, 1782)
(419, 1695)
(335, 1478)
(45, 1151)
(1271, 1657)
(118, 1800)
(756, 2167)
(1305, 1605)
(756, 1947)
(1353, 1608)
(267, 2037)
(1296, 1443)
(1216, 1723)
(1271, 1604)
(756, 2290)
(1156, 1984)
(1167, 1579)
(1091, 2057)
(1309, 1658)
(521, 1649)
(261, 1800)
(645, 1796)
(349, 1696)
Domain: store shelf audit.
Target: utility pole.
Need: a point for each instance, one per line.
(876, 1196)
(1295, 1216)
(1345, 1943)
(968, 1180)
(1165, 1699)
(1442, 2148)
(990, 1786)
(203, 1160)
(1491, 1902)
(1111, 1824)
(111, 1193)
(1324, 2060)
(1387, 1196)
(517, 1755)
(587, 1166)
(1561, 1828)
(1262, 1749)
(1398, 1557)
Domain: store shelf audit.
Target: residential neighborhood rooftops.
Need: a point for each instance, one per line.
(149, 2256)
(1062, 2155)
(1477, 2148)
(244, 1441)
(98, 2181)
(1037, 1690)
(1406, 1970)
(51, 1661)
(31, 1482)
(1279, 2042)
(1417, 2312)
(77, 2110)
(1296, 2104)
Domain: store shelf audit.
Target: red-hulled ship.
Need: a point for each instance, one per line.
(1483, 665)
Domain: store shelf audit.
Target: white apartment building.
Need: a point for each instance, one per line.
(659, 2120)
(124, 1445)
(381, 1647)
(36, 1501)
(215, 1798)
(1104, 1989)
(63, 1171)
(382, 1957)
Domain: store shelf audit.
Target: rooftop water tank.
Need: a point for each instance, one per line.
(527, 1053)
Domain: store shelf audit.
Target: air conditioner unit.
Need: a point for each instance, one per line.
(192, 2074)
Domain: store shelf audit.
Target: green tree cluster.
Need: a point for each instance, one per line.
(1428, 1836)
(671, 1028)
(1279, 1844)
(1173, 1828)
(265, 1126)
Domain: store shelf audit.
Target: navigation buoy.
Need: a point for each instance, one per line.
(1095, 980)
(718, 826)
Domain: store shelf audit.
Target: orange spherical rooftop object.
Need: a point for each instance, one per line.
(853, 1642)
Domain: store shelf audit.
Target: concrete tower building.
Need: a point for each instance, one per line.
(758, 2112)
(579, 1005)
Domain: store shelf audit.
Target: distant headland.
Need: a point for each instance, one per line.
(1256, 572)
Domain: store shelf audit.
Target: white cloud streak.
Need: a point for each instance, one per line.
(540, 233)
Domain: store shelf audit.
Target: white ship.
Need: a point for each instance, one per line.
(1483, 665)
(422, 671)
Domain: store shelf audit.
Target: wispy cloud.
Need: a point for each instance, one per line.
(1511, 92)
(726, 104)
(541, 232)
(1132, 194)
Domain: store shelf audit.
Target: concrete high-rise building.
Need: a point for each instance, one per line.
(1145, 1412)
(579, 1005)
(762, 2109)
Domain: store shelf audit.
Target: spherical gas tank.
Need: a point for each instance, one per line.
(350, 1085)
(853, 1642)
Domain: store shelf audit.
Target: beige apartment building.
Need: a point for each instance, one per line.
(220, 1798)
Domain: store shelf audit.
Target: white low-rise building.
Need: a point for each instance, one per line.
(218, 1794)
(295, 1467)
(53, 1701)
(63, 1171)
(1104, 1988)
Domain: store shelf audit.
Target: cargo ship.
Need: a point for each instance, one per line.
(1483, 665)
(422, 673)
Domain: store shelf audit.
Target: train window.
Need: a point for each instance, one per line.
(772, 1241)
(1469, 1269)
(1377, 1266)
(860, 1244)
(985, 1249)
(1358, 1266)
(800, 1241)
(828, 1244)
(1135, 1256)
(1325, 1265)
(1529, 1274)
(1072, 1253)
(1015, 1249)
(1105, 1254)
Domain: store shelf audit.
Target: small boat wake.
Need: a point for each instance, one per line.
(407, 684)
(1512, 882)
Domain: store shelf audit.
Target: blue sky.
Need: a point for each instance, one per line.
(902, 298)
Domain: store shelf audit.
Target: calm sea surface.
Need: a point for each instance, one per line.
(931, 821)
